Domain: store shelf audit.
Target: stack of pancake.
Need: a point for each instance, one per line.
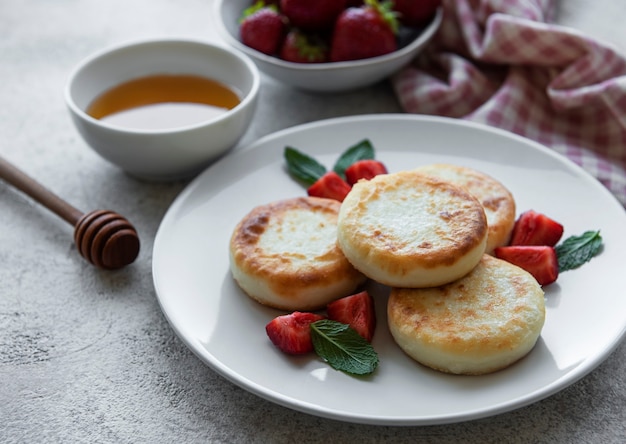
(426, 233)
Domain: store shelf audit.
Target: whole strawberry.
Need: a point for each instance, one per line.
(263, 28)
(312, 15)
(299, 47)
(415, 12)
(364, 32)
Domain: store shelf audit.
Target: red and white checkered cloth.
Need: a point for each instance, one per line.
(501, 62)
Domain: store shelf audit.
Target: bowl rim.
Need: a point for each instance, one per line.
(245, 102)
(420, 39)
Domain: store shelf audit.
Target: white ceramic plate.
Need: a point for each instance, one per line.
(586, 308)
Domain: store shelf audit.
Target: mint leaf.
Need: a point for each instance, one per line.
(576, 250)
(343, 348)
(362, 150)
(303, 166)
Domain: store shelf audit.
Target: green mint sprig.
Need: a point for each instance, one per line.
(302, 166)
(343, 348)
(308, 170)
(360, 151)
(577, 250)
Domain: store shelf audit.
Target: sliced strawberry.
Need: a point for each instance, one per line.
(331, 186)
(533, 228)
(364, 169)
(357, 311)
(291, 333)
(540, 261)
(263, 28)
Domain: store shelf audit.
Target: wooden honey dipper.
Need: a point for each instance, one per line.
(103, 237)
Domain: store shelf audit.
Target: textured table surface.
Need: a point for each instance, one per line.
(87, 355)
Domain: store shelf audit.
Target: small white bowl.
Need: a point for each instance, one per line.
(322, 77)
(163, 154)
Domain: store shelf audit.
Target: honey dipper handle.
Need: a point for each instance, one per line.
(26, 184)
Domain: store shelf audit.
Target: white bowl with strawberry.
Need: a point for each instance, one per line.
(328, 45)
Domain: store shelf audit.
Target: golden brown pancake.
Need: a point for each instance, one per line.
(408, 229)
(481, 323)
(285, 255)
(496, 199)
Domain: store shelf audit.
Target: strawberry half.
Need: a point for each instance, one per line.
(291, 333)
(262, 28)
(364, 169)
(364, 32)
(357, 311)
(540, 261)
(533, 228)
(330, 186)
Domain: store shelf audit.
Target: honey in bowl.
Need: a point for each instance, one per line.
(163, 101)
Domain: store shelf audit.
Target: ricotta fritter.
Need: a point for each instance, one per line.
(479, 324)
(408, 229)
(284, 255)
(496, 199)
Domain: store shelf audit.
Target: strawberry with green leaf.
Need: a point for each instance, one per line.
(546, 262)
(362, 150)
(307, 169)
(299, 47)
(338, 344)
(291, 333)
(263, 27)
(364, 32)
(320, 181)
(364, 169)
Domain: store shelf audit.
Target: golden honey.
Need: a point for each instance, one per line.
(163, 101)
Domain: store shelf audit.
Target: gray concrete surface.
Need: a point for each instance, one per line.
(87, 355)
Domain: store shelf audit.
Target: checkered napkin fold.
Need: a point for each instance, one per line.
(501, 62)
